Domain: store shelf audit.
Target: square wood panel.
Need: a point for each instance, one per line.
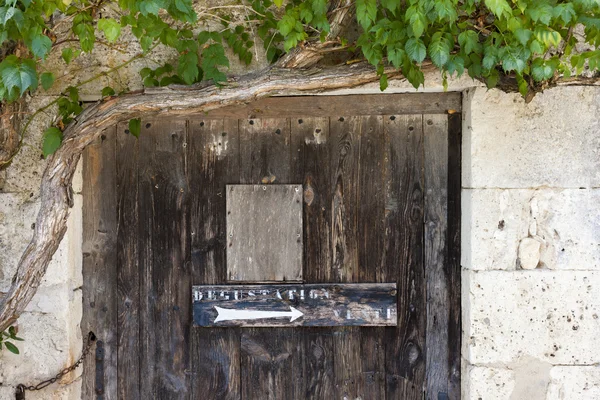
(264, 233)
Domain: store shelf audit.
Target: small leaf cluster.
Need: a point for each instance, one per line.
(7, 338)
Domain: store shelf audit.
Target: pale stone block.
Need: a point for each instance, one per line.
(574, 383)
(25, 173)
(552, 141)
(45, 351)
(52, 300)
(17, 216)
(551, 316)
(497, 223)
(488, 384)
(7, 393)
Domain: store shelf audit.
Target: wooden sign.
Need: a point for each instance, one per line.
(362, 304)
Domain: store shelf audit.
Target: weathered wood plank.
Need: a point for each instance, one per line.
(453, 270)
(213, 162)
(265, 150)
(345, 150)
(310, 155)
(344, 145)
(264, 233)
(100, 259)
(271, 365)
(164, 252)
(372, 352)
(436, 226)
(403, 248)
(128, 279)
(366, 304)
(325, 106)
(318, 364)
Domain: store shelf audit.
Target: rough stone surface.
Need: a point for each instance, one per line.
(529, 253)
(553, 141)
(551, 316)
(488, 384)
(574, 383)
(565, 223)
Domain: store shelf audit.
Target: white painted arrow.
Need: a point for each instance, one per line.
(227, 314)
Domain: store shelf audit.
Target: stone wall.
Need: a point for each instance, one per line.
(530, 245)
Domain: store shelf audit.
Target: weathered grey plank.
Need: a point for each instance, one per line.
(403, 247)
(453, 268)
(372, 351)
(100, 260)
(318, 364)
(213, 162)
(128, 279)
(366, 304)
(164, 254)
(335, 106)
(436, 216)
(264, 233)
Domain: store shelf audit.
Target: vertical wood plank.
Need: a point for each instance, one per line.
(403, 248)
(344, 153)
(100, 259)
(436, 216)
(213, 162)
(372, 177)
(453, 271)
(310, 165)
(271, 359)
(345, 134)
(128, 279)
(164, 249)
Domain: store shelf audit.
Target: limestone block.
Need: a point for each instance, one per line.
(17, 215)
(543, 228)
(574, 383)
(488, 384)
(551, 316)
(25, 173)
(494, 221)
(7, 393)
(45, 351)
(553, 141)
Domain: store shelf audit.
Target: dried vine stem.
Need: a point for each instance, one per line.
(51, 223)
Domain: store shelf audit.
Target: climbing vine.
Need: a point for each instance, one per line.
(533, 42)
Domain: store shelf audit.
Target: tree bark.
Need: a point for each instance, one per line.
(10, 119)
(56, 192)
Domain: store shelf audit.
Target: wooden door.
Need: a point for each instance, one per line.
(381, 182)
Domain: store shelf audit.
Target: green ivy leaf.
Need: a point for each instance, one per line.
(439, 50)
(18, 73)
(541, 12)
(383, 82)
(111, 29)
(47, 79)
(498, 7)
(366, 12)
(548, 37)
(108, 91)
(188, 68)
(41, 45)
(67, 54)
(52, 140)
(11, 347)
(396, 57)
(523, 35)
(278, 3)
(469, 42)
(135, 127)
(415, 49)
